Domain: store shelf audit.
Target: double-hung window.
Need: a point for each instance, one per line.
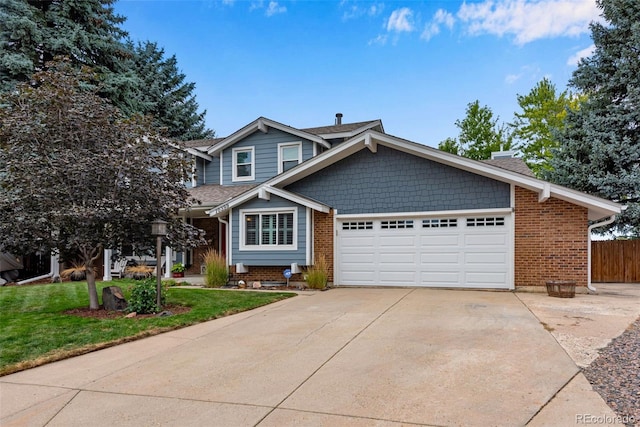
(243, 164)
(268, 230)
(289, 155)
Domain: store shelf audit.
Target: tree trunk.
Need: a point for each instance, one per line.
(93, 292)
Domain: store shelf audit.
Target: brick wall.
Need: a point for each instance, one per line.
(264, 274)
(323, 238)
(550, 240)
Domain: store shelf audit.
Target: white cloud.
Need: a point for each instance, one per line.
(274, 8)
(380, 40)
(512, 78)
(354, 9)
(576, 57)
(529, 20)
(441, 17)
(401, 20)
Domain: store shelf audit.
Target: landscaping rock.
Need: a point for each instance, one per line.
(131, 315)
(165, 313)
(113, 299)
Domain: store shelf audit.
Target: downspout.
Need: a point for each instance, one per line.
(591, 227)
(33, 279)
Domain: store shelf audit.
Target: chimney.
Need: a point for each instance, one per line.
(338, 118)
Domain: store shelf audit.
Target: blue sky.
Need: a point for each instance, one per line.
(413, 64)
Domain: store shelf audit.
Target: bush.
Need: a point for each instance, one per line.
(139, 272)
(216, 274)
(317, 275)
(143, 297)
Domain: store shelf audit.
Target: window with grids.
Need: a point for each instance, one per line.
(396, 224)
(289, 155)
(269, 229)
(357, 225)
(439, 223)
(492, 221)
(243, 164)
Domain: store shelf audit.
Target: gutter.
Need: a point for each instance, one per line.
(591, 227)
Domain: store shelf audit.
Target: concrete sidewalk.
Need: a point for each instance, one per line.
(345, 357)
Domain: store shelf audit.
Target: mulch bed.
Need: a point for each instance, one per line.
(101, 313)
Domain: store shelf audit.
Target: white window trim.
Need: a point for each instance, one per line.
(283, 145)
(234, 161)
(241, 219)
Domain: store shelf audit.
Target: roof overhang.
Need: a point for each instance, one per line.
(264, 192)
(598, 208)
(263, 124)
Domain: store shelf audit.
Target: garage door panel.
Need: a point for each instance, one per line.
(440, 258)
(485, 258)
(442, 278)
(485, 239)
(437, 255)
(439, 240)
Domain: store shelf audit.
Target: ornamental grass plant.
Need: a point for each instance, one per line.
(216, 273)
(317, 275)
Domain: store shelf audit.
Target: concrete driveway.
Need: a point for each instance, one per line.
(356, 357)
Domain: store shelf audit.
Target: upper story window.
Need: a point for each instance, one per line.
(289, 155)
(243, 164)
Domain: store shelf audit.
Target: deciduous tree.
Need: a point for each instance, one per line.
(480, 134)
(77, 176)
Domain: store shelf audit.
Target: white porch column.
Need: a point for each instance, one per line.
(107, 265)
(168, 261)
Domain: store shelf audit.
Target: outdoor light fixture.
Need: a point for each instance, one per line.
(159, 229)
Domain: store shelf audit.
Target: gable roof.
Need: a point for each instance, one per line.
(598, 208)
(263, 124)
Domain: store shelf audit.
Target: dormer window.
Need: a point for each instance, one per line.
(289, 155)
(243, 164)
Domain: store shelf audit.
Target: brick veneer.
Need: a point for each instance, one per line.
(323, 238)
(550, 240)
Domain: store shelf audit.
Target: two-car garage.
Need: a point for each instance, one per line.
(466, 251)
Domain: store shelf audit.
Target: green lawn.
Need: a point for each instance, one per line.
(34, 329)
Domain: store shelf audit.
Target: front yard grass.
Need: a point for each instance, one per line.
(34, 328)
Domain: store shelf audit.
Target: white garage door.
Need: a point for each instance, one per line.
(466, 252)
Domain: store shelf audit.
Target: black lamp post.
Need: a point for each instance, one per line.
(159, 229)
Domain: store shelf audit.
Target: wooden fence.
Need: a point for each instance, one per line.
(616, 261)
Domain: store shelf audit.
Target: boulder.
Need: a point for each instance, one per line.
(113, 299)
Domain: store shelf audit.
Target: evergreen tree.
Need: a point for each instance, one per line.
(480, 134)
(600, 146)
(88, 32)
(165, 95)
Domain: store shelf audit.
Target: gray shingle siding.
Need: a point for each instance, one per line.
(270, 257)
(393, 181)
(266, 154)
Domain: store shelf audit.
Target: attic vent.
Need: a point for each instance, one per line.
(338, 118)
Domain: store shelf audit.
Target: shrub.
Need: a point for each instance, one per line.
(76, 272)
(216, 273)
(143, 297)
(317, 275)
